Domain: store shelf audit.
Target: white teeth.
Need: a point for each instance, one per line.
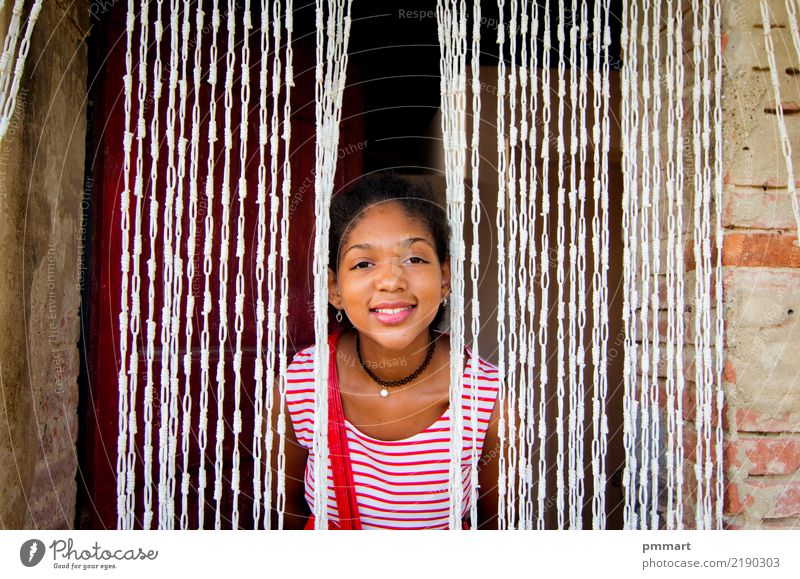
(393, 310)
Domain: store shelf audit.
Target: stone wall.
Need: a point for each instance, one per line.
(41, 187)
(762, 275)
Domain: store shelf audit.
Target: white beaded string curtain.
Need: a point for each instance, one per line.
(332, 33)
(518, 174)
(452, 23)
(16, 43)
(688, 169)
(655, 151)
(188, 44)
(524, 94)
(524, 103)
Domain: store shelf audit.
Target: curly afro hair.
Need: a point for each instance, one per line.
(419, 202)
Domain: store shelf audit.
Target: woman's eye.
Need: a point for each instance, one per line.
(360, 263)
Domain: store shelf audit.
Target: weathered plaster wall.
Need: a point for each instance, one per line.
(41, 184)
(762, 275)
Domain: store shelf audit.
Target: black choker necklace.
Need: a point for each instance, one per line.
(386, 384)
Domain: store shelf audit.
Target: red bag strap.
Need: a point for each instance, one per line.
(343, 483)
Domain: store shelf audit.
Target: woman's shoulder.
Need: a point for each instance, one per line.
(300, 375)
(303, 356)
(300, 371)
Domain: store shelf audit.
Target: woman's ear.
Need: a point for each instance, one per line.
(334, 295)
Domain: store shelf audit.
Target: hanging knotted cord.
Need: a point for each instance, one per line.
(452, 23)
(572, 307)
(151, 297)
(643, 303)
(718, 239)
(330, 84)
(12, 61)
(600, 140)
(264, 393)
(655, 235)
(286, 136)
(580, 362)
(702, 252)
(544, 269)
(526, 350)
(191, 247)
(528, 396)
(175, 412)
(176, 175)
(224, 245)
(513, 222)
(605, 244)
(502, 171)
(208, 266)
(654, 387)
(786, 145)
(680, 180)
(125, 472)
(561, 338)
(671, 186)
(630, 128)
(475, 215)
(240, 231)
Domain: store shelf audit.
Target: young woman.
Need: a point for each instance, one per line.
(389, 279)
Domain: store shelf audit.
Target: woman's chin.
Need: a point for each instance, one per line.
(398, 337)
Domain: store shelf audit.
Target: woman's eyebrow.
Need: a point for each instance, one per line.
(408, 241)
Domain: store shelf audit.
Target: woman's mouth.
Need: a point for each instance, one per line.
(392, 316)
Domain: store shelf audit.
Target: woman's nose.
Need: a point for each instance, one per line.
(390, 275)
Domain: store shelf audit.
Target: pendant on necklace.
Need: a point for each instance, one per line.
(384, 392)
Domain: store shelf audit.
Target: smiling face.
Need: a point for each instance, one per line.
(390, 281)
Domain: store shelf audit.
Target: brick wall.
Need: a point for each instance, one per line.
(761, 276)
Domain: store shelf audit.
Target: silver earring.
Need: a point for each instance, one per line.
(339, 316)
(444, 302)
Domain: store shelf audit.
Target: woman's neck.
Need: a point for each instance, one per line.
(395, 364)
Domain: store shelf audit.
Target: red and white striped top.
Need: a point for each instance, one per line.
(400, 484)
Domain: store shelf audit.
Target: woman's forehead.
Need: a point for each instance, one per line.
(390, 245)
(387, 222)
